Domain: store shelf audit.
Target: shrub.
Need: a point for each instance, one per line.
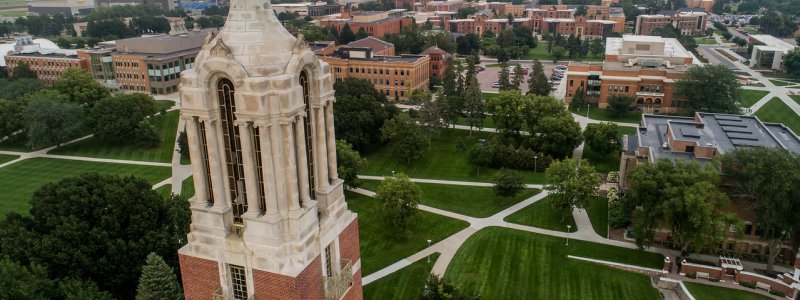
(617, 216)
(748, 284)
(713, 279)
(777, 293)
(508, 182)
(691, 275)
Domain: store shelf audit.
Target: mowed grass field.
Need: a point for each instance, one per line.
(11, 3)
(502, 263)
(750, 97)
(597, 209)
(540, 53)
(442, 160)
(541, 214)
(379, 248)
(606, 162)
(7, 158)
(474, 201)
(20, 180)
(603, 115)
(778, 112)
(708, 292)
(166, 126)
(404, 284)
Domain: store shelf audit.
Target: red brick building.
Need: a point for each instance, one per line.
(688, 22)
(375, 23)
(438, 58)
(48, 64)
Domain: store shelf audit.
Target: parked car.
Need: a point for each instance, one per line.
(496, 84)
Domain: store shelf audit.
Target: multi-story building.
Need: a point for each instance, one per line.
(64, 7)
(643, 67)
(438, 58)
(307, 9)
(687, 21)
(448, 5)
(579, 25)
(705, 5)
(379, 47)
(145, 64)
(395, 76)
(703, 138)
(375, 23)
(768, 51)
(48, 64)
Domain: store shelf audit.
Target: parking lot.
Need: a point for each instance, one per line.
(490, 75)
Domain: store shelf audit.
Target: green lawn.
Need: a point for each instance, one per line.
(166, 126)
(778, 112)
(13, 13)
(708, 292)
(380, 249)
(540, 53)
(474, 201)
(441, 161)
(541, 214)
(598, 214)
(606, 162)
(750, 97)
(705, 41)
(11, 3)
(7, 158)
(488, 122)
(488, 96)
(781, 82)
(796, 98)
(503, 263)
(187, 187)
(19, 181)
(603, 115)
(406, 283)
(17, 143)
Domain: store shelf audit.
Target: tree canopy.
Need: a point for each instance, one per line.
(49, 122)
(710, 88)
(348, 163)
(602, 137)
(79, 86)
(399, 197)
(571, 183)
(361, 111)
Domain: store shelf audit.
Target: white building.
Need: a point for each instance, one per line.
(770, 54)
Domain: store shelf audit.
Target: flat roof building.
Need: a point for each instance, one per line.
(768, 51)
(64, 7)
(643, 67)
(687, 21)
(48, 64)
(375, 23)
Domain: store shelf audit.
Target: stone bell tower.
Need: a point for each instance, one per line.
(269, 220)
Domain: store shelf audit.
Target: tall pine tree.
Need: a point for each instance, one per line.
(473, 105)
(158, 281)
(517, 78)
(503, 77)
(537, 83)
(449, 78)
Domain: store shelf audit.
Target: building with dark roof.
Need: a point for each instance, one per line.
(703, 138)
(375, 23)
(379, 47)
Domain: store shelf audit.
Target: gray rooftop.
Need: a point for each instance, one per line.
(721, 131)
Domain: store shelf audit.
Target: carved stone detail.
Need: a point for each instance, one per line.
(219, 49)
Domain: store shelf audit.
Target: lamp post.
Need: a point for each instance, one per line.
(568, 229)
(587, 110)
(429, 256)
(535, 161)
(392, 173)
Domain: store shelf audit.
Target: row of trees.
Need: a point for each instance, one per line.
(688, 199)
(572, 46)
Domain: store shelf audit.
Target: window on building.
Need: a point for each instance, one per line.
(570, 82)
(238, 282)
(328, 261)
(309, 137)
(233, 152)
(748, 228)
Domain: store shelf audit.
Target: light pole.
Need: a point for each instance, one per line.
(429, 256)
(587, 110)
(392, 173)
(568, 229)
(535, 158)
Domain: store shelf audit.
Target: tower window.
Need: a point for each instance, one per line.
(233, 148)
(238, 282)
(328, 261)
(309, 138)
(204, 149)
(262, 197)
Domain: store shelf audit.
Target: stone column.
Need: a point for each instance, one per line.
(291, 168)
(216, 161)
(249, 162)
(198, 163)
(302, 160)
(270, 186)
(322, 157)
(276, 138)
(331, 142)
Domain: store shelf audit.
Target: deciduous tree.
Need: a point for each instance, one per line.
(361, 111)
(399, 197)
(571, 183)
(710, 88)
(507, 182)
(49, 122)
(22, 71)
(792, 63)
(619, 104)
(408, 139)
(80, 87)
(602, 138)
(349, 163)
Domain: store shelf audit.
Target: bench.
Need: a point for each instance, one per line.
(701, 275)
(763, 286)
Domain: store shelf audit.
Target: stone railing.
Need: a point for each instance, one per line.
(217, 295)
(336, 286)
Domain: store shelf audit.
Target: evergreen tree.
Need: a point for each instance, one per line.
(460, 82)
(449, 78)
(578, 99)
(537, 83)
(362, 33)
(473, 105)
(503, 76)
(431, 117)
(158, 281)
(517, 78)
(346, 35)
(597, 48)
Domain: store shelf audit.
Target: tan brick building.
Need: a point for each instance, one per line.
(643, 67)
(688, 22)
(375, 23)
(394, 76)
